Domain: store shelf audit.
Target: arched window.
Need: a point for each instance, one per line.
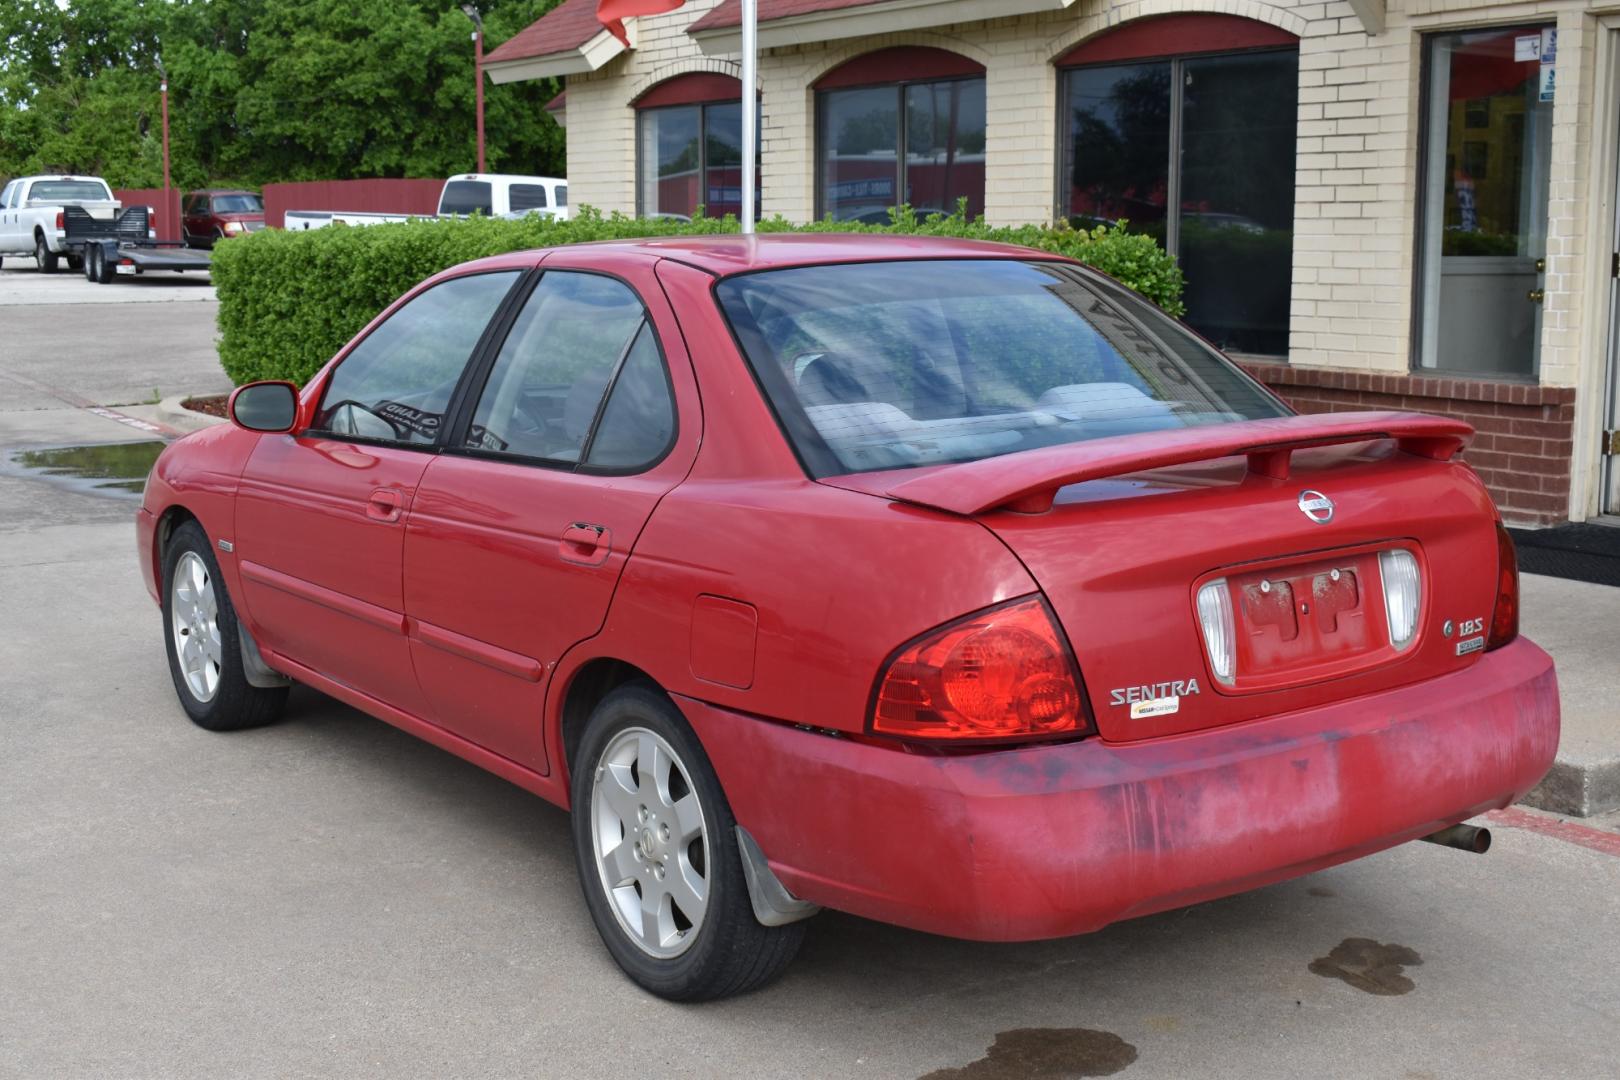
(689, 147)
(902, 125)
(1186, 125)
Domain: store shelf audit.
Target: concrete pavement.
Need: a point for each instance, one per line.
(329, 896)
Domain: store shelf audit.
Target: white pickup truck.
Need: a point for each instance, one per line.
(31, 215)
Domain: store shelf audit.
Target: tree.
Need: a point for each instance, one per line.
(262, 90)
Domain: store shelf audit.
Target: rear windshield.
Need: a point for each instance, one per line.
(562, 194)
(237, 204)
(897, 364)
(69, 191)
(466, 197)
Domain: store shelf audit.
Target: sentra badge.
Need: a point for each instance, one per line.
(1153, 699)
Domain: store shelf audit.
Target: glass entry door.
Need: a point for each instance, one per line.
(1488, 145)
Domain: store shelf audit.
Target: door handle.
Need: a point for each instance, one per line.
(585, 544)
(1536, 295)
(383, 505)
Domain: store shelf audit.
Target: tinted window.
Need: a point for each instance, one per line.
(5, 194)
(562, 194)
(466, 197)
(919, 143)
(889, 365)
(639, 419)
(544, 391)
(528, 197)
(396, 384)
(237, 204)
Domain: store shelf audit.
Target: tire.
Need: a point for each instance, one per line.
(722, 949)
(216, 693)
(44, 257)
(103, 271)
(90, 262)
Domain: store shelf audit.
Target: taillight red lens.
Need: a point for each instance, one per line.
(1505, 615)
(1003, 673)
(61, 219)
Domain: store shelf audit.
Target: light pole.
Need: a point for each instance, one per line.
(168, 200)
(471, 11)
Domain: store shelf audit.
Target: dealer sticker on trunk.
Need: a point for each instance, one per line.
(1163, 706)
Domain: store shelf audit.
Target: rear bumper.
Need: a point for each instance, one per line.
(1058, 840)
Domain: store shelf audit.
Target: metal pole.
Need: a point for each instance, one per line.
(168, 200)
(750, 110)
(478, 72)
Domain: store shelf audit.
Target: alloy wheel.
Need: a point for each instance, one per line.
(194, 610)
(650, 842)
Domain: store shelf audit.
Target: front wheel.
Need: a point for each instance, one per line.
(204, 641)
(44, 257)
(656, 848)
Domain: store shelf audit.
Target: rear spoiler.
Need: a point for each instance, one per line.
(1028, 482)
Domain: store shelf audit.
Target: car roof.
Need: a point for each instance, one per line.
(221, 191)
(726, 255)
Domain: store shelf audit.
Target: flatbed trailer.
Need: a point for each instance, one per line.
(125, 246)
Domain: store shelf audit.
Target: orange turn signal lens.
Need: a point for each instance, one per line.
(1000, 674)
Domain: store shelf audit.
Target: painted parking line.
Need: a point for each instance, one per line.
(68, 397)
(1567, 831)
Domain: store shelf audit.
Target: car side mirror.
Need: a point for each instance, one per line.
(264, 406)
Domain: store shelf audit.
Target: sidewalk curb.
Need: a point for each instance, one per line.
(177, 415)
(1578, 789)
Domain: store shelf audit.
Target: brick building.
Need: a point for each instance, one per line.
(1401, 206)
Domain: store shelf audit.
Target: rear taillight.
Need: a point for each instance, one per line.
(1001, 674)
(61, 220)
(1505, 615)
(1215, 620)
(1403, 594)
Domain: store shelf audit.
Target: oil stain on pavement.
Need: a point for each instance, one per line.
(1046, 1052)
(1369, 966)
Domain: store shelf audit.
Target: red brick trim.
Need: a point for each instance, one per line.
(1525, 438)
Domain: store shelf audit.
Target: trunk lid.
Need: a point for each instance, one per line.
(1130, 533)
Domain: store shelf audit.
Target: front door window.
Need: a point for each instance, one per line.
(1487, 149)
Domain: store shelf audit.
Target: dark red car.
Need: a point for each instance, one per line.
(206, 217)
(947, 584)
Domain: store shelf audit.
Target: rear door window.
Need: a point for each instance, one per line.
(467, 197)
(579, 380)
(528, 197)
(395, 386)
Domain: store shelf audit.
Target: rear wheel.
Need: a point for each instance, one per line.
(656, 847)
(44, 257)
(90, 263)
(103, 269)
(204, 642)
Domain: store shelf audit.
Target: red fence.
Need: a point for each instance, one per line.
(166, 219)
(367, 196)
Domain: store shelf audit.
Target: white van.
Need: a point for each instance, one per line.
(502, 195)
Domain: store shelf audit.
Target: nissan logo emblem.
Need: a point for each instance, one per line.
(1316, 506)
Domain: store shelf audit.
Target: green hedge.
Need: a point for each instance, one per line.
(289, 300)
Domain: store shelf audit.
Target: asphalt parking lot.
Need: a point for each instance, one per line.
(330, 897)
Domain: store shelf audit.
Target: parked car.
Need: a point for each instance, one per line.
(32, 210)
(499, 195)
(207, 217)
(947, 584)
(304, 220)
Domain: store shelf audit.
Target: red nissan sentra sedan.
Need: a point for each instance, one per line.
(947, 584)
